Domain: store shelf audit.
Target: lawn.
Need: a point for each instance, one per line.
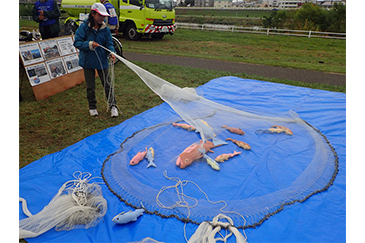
(327, 55)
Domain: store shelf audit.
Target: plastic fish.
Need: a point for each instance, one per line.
(192, 153)
(124, 218)
(138, 157)
(277, 129)
(240, 144)
(208, 132)
(150, 156)
(211, 162)
(224, 157)
(184, 126)
(234, 130)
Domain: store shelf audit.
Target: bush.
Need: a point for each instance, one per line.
(309, 17)
(25, 9)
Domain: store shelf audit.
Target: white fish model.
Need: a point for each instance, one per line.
(208, 132)
(150, 156)
(130, 216)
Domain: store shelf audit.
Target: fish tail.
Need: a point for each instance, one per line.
(151, 164)
(217, 141)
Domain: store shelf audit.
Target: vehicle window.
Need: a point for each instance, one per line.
(135, 2)
(125, 1)
(159, 4)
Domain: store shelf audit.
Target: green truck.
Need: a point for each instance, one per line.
(154, 18)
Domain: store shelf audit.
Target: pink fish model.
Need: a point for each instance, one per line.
(184, 126)
(138, 157)
(192, 153)
(224, 157)
(240, 144)
(234, 130)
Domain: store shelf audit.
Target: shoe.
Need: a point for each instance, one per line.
(114, 112)
(93, 112)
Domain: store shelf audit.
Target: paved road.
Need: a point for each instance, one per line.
(250, 69)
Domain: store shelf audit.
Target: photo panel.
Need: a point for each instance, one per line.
(30, 53)
(50, 49)
(37, 74)
(72, 63)
(56, 68)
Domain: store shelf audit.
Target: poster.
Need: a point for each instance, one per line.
(72, 63)
(30, 53)
(50, 49)
(66, 46)
(37, 74)
(56, 68)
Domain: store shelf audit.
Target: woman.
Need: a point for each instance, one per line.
(92, 33)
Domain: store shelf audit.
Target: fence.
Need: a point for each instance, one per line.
(260, 30)
(26, 17)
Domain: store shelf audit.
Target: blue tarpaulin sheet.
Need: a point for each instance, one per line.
(321, 218)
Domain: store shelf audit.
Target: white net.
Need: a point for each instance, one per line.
(78, 204)
(279, 159)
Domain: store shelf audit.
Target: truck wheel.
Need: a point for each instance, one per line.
(132, 33)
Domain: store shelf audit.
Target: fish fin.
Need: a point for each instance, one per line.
(217, 141)
(151, 164)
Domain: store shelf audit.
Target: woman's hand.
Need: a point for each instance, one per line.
(95, 45)
(113, 58)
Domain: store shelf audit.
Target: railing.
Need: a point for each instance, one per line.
(261, 30)
(26, 17)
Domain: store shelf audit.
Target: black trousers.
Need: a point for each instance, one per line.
(90, 87)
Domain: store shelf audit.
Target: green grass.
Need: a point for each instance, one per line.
(324, 55)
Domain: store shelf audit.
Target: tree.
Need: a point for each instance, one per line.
(337, 18)
(312, 16)
(191, 2)
(277, 19)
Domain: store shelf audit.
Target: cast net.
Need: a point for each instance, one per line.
(279, 160)
(78, 204)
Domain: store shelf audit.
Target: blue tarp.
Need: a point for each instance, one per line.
(321, 218)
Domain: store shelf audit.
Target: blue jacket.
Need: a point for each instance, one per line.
(84, 36)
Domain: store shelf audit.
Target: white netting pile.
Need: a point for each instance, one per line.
(78, 204)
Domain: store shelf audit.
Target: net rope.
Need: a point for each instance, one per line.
(77, 204)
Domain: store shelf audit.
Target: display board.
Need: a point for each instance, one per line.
(52, 65)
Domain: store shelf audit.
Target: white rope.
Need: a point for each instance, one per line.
(206, 228)
(108, 100)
